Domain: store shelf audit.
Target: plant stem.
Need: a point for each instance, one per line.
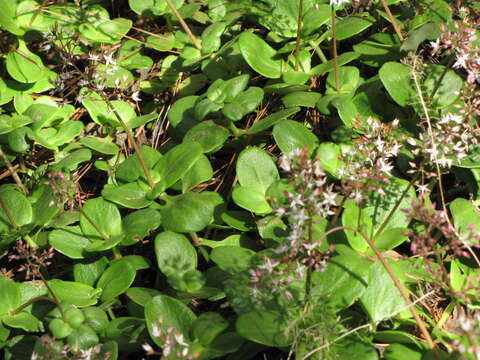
(299, 29)
(392, 20)
(395, 207)
(8, 212)
(184, 25)
(13, 172)
(131, 139)
(394, 278)
(57, 302)
(30, 302)
(334, 47)
(442, 76)
(437, 166)
(91, 222)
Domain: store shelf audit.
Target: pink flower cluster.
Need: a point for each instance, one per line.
(462, 41)
(368, 164)
(175, 347)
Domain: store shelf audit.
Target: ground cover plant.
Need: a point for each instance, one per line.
(239, 179)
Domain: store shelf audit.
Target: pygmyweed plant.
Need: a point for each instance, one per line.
(368, 163)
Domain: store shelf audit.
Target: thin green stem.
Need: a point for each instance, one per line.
(395, 208)
(131, 139)
(184, 25)
(442, 76)
(299, 35)
(30, 302)
(91, 222)
(394, 278)
(8, 213)
(319, 51)
(334, 48)
(392, 20)
(13, 172)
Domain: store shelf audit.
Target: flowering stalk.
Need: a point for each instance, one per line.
(334, 49)
(184, 25)
(392, 20)
(13, 172)
(299, 28)
(434, 152)
(133, 142)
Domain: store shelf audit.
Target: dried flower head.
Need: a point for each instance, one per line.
(33, 260)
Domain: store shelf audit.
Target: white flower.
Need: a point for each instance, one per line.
(269, 265)
(109, 60)
(136, 96)
(156, 332)
(93, 57)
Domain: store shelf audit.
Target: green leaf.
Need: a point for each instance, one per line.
(379, 206)
(328, 66)
(190, 212)
(181, 115)
(390, 239)
(140, 295)
(211, 37)
(9, 295)
(177, 161)
(349, 77)
(355, 348)
(208, 326)
(233, 259)
(419, 35)
(138, 225)
(256, 169)
(233, 87)
(239, 220)
(290, 135)
(352, 25)
(200, 172)
(10, 123)
(251, 199)
(101, 145)
(84, 337)
(153, 7)
(351, 217)
(268, 64)
(243, 104)
(69, 241)
(101, 113)
(343, 282)
(465, 215)
(116, 280)
(71, 161)
(301, 98)
(131, 195)
(24, 66)
(131, 169)
(381, 299)
(175, 254)
(263, 327)
(209, 135)
(23, 320)
(89, 272)
(397, 79)
(401, 352)
(173, 314)
(19, 208)
(270, 120)
(7, 18)
(75, 293)
(104, 215)
(448, 91)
